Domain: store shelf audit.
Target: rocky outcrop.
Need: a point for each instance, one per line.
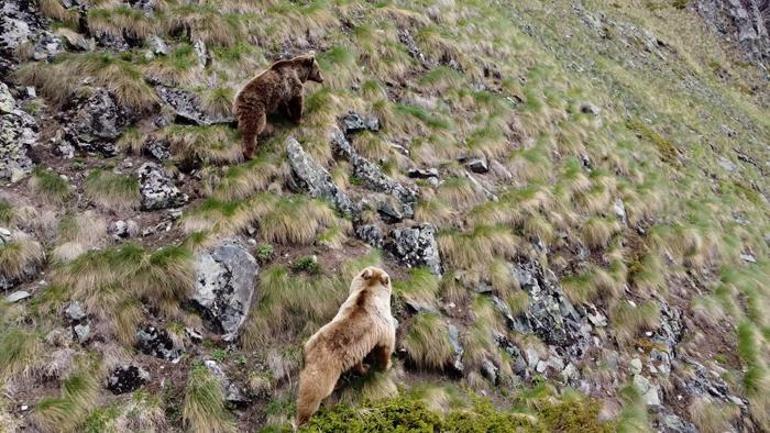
(225, 286)
(94, 123)
(353, 122)
(187, 107)
(127, 378)
(744, 22)
(157, 189)
(18, 131)
(310, 176)
(158, 343)
(416, 246)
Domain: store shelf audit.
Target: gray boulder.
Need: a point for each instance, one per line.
(416, 246)
(187, 106)
(94, 123)
(18, 131)
(225, 286)
(743, 21)
(353, 122)
(457, 349)
(158, 343)
(311, 176)
(157, 189)
(234, 396)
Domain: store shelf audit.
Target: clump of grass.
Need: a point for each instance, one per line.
(283, 310)
(295, 220)
(53, 9)
(427, 342)
(592, 283)
(667, 150)
(265, 252)
(460, 193)
(121, 77)
(421, 288)
(50, 186)
(597, 232)
(19, 349)
(112, 190)
(110, 282)
(477, 247)
(77, 234)
(307, 264)
(66, 412)
(628, 319)
(712, 417)
(179, 66)
(218, 101)
(372, 387)
(633, 417)
(206, 144)
(204, 404)
(119, 20)
(206, 22)
(18, 255)
(244, 180)
(6, 211)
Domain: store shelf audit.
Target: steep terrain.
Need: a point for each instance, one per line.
(571, 198)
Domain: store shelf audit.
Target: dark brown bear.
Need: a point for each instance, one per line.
(278, 88)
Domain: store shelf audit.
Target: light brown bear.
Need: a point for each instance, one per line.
(363, 324)
(278, 88)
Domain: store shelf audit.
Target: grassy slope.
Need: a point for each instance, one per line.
(675, 104)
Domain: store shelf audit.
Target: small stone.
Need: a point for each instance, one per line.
(24, 407)
(570, 373)
(157, 342)
(635, 366)
(541, 367)
(419, 173)
(532, 357)
(620, 210)
(17, 296)
(194, 334)
(727, 164)
(74, 312)
(82, 332)
(589, 108)
(489, 370)
(477, 165)
(748, 258)
(353, 122)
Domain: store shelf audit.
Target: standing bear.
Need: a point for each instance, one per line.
(278, 88)
(363, 324)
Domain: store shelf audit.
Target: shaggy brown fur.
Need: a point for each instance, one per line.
(278, 88)
(363, 324)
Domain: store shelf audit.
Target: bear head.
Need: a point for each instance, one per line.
(372, 276)
(312, 68)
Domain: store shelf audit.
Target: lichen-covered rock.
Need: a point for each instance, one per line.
(127, 378)
(157, 189)
(74, 312)
(550, 315)
(416, 246)
(234, 396)
(157, 342)
(743, 21)
(457, 349)
(18, 131)
(310, 176)
(353, 122)
(94, 123)
(370, 174)
(123, 229)
(187, 106)
(225, 286)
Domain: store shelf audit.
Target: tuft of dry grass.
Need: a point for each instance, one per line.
(18, 255)
(119, 20)
(50, 186)
(121, 77)
(629, 319)
(66, 413)
(427, 342)
(202, 144)
(204, 409)
(477, 247)
(112, 190)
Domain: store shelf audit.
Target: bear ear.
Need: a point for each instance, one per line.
(385, 280)
(367, 274)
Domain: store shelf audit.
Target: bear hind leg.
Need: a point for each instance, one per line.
(315, 384)
(250, 129)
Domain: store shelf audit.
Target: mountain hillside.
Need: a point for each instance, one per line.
(571, 198)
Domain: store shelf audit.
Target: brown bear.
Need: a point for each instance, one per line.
(278, 88)
(363, 324)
